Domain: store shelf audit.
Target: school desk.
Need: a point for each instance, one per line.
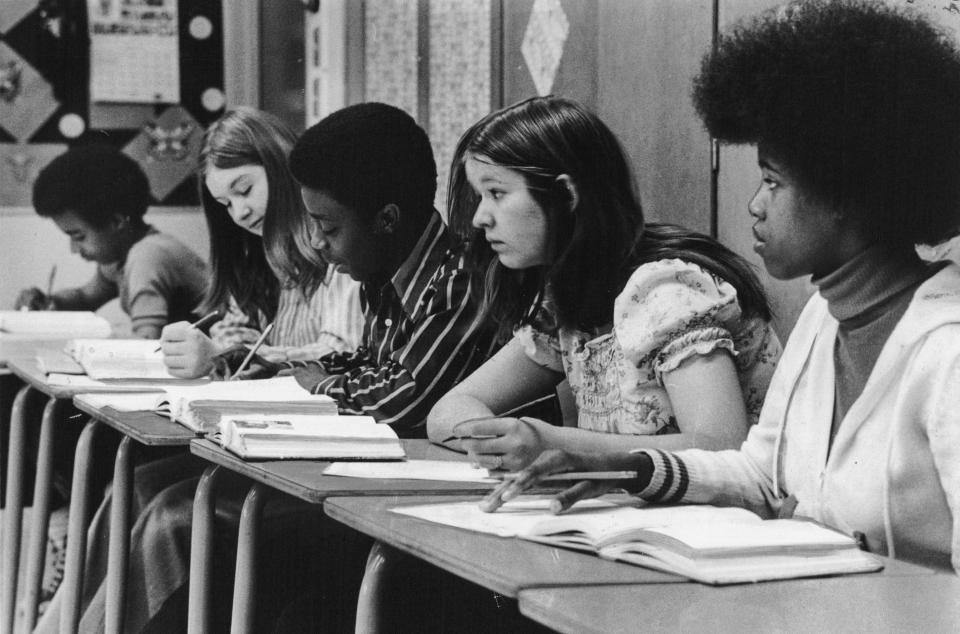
(28, 370)
(21, 360)
(873, 602)
(146, 428)
(303, 479)
(507, 566)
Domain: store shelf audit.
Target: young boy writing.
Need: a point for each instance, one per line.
(97, 196)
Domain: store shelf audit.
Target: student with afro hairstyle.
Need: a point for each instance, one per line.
(853, 107)
(97, 196)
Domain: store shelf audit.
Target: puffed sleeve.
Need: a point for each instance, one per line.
(540, 340)
(672, 310)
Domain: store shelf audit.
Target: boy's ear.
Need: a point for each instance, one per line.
(119, 221)
(387, 219)
(572, 192)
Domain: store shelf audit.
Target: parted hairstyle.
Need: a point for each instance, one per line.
(247, 268)
(859, 100)
(95, 182)
(594, 247)
(366, 156)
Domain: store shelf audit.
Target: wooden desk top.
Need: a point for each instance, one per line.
(873, 602)
(27, 368)
(304, 478)
(147, 428)
(505, 565)
(24, 347)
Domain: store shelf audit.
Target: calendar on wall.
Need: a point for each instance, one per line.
(143, 75)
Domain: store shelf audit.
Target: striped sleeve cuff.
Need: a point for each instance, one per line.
(670, 478)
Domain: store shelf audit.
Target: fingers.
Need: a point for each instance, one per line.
(580, 491)
(175, 332)
(549, 462)
(32, 299)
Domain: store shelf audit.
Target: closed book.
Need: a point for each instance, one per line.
(309, 437)
(120, 359)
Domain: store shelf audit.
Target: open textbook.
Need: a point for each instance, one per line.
(309, 436)
(202, 406)
(53, 323)
(104, 359)
(715, 545)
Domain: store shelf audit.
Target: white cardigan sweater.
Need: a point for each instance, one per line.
(893, 472)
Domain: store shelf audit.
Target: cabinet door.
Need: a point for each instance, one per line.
(737, 180)
(648, 54)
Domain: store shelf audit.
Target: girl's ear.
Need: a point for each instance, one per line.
(573, 194)
(387, 219)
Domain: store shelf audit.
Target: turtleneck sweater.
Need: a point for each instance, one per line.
(867, 296)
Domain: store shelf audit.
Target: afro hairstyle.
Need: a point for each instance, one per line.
(859, 100)
(95, 182)
(367, 156)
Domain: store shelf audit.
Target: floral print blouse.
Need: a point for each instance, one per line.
(669, 312)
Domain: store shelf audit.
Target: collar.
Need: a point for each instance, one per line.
(871, 279)
(427, 255)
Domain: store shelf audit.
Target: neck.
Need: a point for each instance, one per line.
(864, 283)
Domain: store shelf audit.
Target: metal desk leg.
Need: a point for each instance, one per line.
(13, 516)
(245, 580)
(37, 547)
(201, 553)
(119, 545)
(380, 562)
(72, 584)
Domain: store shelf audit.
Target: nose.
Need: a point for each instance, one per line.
(317, 240)
(238, 211)
(755, 207)
(482, 218)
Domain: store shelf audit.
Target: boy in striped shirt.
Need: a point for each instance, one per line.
(368, 181)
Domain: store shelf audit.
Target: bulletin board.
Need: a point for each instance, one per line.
(49, 52)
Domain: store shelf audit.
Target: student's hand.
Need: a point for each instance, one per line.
(517, 441)
(561, 461)
(274, 354)
(187, 352)
(309, 375)
(33, 299)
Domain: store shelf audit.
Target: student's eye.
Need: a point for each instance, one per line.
(769, 183)
(496, 194)
(328, 231)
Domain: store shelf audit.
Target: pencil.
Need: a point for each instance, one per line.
(577, 475)
(472, 436)
(253, 351)
(200, 323)
(53, 275)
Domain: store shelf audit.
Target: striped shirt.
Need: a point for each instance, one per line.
(422, 336)
(329, 321)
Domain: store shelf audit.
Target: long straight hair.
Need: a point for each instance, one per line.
(594, 246)
(247, 268)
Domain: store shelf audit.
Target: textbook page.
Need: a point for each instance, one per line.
(120, 358)
(86, 384)
(122, 402)
(516, 517)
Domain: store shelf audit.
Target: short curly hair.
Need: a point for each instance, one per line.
(367, 156)
(95, 182)
(859, 100)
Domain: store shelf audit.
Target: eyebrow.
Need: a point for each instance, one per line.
(766, 164)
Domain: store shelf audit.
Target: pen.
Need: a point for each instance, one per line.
(253, 351)
(53, 275)
(200, 323)
(577, 475)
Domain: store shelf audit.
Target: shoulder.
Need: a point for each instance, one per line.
(668, 291)
(161, 248)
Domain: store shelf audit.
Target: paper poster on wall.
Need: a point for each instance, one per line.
(19, 165)
(134, 51)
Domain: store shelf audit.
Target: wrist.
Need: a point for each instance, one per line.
(643, 465)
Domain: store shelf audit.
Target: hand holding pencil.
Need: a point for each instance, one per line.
(593, 474)
(187, 352)
(503, 442)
